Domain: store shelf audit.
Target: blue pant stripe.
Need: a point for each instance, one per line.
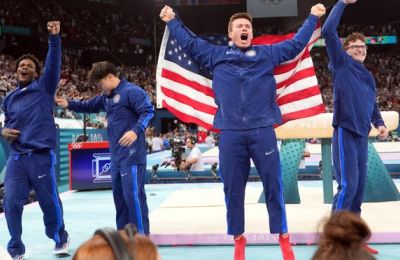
(56, 236)
(282, 201)
(136, 200)
(343, 181)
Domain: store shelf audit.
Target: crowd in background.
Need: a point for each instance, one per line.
(85, 29)
(383, 62)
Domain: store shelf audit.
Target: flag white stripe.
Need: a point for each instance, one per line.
(187, 91)
(188, 110)
(301, 104)
(304, 64)
(188, 74)
(159, 95)
(298, 85)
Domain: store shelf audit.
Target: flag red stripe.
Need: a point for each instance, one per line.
(186, 118)
(299, 95)
(271, 39)
(188, 101)
(184, 81)
(296, 77)
(312, 111)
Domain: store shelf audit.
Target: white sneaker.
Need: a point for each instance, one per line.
(62, 249)
(18, 257)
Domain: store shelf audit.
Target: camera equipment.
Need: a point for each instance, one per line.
(177, 150)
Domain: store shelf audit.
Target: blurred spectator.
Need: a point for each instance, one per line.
(343, 238)
(109, 244)
(157, 143)
(194, 162)
(210, 141)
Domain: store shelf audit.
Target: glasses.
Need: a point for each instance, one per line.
(354, 47)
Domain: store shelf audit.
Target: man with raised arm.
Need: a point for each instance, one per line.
(29, 127)
(355, 109)
(245, 93)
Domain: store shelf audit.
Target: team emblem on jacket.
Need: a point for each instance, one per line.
(251, 53)
(116, 98)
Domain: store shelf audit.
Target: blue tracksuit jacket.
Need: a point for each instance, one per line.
(128, 108)
(243, 80)
(30, 109)
(353, 85)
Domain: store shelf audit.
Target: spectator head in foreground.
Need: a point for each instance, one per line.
(110, 244)
(343, 237)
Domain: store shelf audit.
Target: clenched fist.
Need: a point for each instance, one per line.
(53, 27)
(318, 10)
(167, 14)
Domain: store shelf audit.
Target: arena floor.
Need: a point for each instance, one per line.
(188, 220)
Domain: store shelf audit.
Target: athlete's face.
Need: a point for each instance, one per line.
(357, 50)
(107, 83)
(26, 71)
(241, 33)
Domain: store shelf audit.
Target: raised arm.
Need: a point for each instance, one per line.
(289, 49)
(195, 47)
(52, 69)
(329, 32)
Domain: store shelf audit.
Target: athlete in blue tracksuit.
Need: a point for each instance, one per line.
(245, 93)
(355, 109)
(30, 127)
(128, 111)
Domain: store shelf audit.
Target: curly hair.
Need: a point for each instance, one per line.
(29, 57)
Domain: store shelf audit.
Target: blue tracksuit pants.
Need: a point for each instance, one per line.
(350, 156)
(235, 150)
(130, 197)
(24, 172)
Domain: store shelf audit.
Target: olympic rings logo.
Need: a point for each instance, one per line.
(76, 145)
(274, 2)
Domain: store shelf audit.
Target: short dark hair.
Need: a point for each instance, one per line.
(238, 16)
(101, 69)
(29, 57)
(352, 38)
(192, 139)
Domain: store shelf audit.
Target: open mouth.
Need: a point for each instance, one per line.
(244, 36)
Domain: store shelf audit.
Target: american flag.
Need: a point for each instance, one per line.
(185, 88)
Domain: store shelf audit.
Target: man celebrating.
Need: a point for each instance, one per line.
(355, 109)
(30, 127)
(245, 93)
(129, 112)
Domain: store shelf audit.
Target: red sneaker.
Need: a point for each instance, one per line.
(286, 248)
(370, 250)
(240, 247)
